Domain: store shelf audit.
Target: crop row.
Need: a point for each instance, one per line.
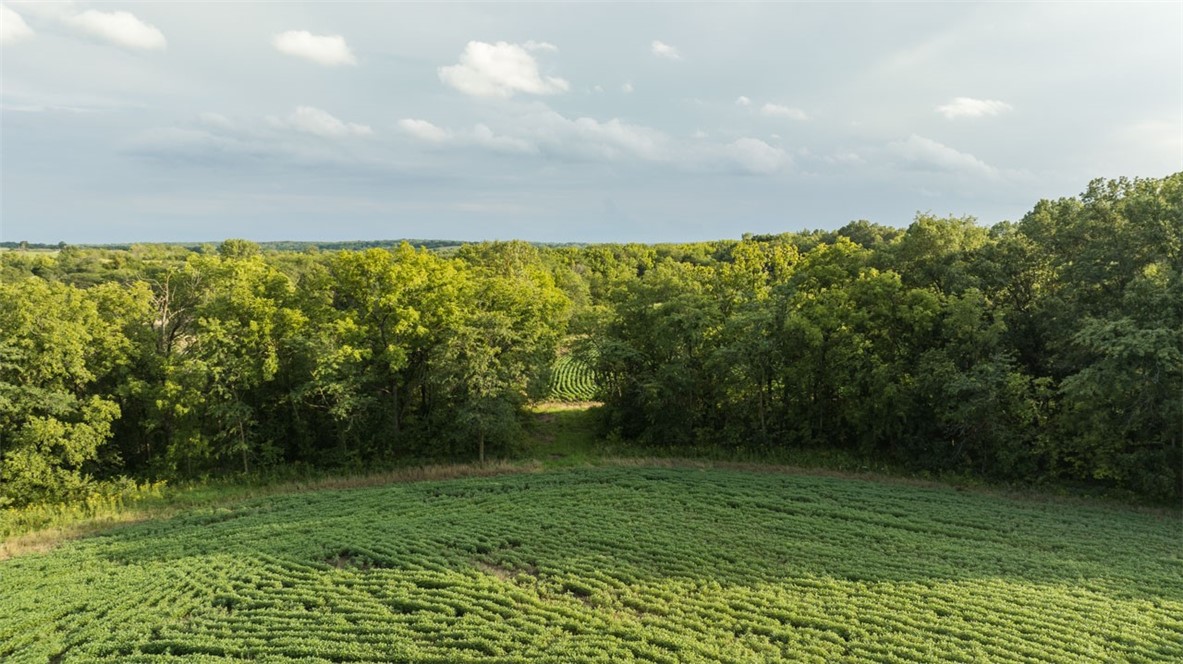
(572, 380)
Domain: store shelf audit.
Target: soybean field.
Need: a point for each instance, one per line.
(611, 564)
(572, 380)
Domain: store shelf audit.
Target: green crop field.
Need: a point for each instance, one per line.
(612, 564)
(572, 380)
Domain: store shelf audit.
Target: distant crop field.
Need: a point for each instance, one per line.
(609, 565)
(572, 380)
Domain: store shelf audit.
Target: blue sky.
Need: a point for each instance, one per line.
(568, 122)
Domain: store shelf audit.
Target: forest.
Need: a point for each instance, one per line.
(1047, 349)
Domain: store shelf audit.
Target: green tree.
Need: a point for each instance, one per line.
(498, 354)
(55, 345)
(1122, 409)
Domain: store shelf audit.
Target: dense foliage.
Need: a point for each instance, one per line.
(1050, 348)
(160, 362)
(610, 565)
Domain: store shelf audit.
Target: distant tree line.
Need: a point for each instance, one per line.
(279, 245)
(1050, 348)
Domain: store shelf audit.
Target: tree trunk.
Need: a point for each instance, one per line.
(246, 469)
(394, 404)
(761, 392)
(480, 439)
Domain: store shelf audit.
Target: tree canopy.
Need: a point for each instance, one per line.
(1047, 348)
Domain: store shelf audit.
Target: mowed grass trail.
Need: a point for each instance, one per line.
(609, 565)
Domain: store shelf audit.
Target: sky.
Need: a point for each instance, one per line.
(572, 122)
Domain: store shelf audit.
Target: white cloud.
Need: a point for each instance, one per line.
(846, 157)
(540, 46)
(698, 133)
(328, 50)
(212, 138)
(778, 111)
(424, 130)
(546, 131)
(664, 50)
(484, 137)
(539, 130)
(756, 156)
(615, 139)
(120, 28)
(480, 136)
(499, 70)
(12, 27)
(743, 101)
(931, 155)
(586, 138)
(216, 121)
(967, 107)
(312, 120)
(627, 88)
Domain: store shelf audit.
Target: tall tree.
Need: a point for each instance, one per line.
(56, 343)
